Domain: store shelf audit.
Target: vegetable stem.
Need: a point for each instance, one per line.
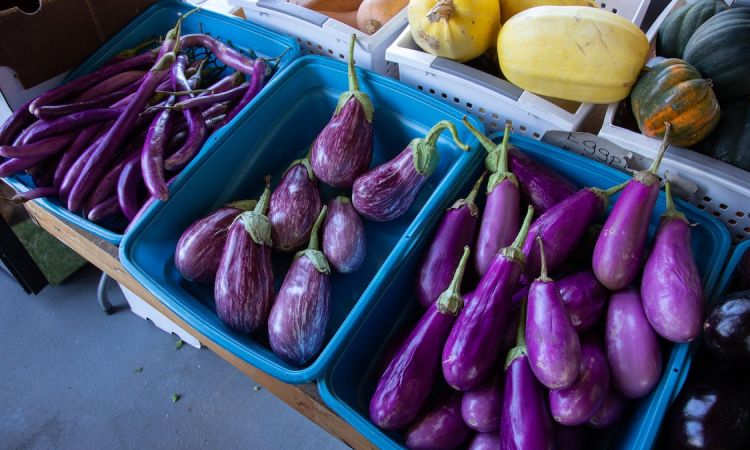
(524, 231)
(471, 198)
(484, 140)
(543, 273)
(450, 301)
(353, 81)
(424, 150)
(503, 163)
(615, 189)
(433, 135)
(314, 241)
(262, 206)
(443, 9)
(520, 348)
(663, 149)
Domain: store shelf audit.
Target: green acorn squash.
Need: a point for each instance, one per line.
(730, 141)
(679, 26)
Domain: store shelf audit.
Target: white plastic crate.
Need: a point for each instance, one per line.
(723, 190)
(318, 34)
(492, 99)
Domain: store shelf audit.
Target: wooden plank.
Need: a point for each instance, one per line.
(303, 398)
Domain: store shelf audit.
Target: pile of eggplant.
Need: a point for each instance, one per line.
(562, 327)
(234, 247)
(109, 143)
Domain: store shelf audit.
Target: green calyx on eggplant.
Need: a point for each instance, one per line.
(256, 222)
(312, 252)
(354, 91)
(496, 160)
(450, 301)
(425, 156)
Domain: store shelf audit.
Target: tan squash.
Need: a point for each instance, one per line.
(348, 17)
(373, 14)
(328, 5)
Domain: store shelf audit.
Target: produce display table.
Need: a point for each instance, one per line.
(303, 398)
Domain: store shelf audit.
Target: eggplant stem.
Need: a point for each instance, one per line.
(314, 242)
(450, 301)
(243, 205)
(471, 198)
(353, 81)
(520, 348)
(262, 206)
(194, 91)
(130, 52)
(484, 140)
(524, 231)
(503, 164)
(424, 150)
(543, 273)
(662, 150)
(615, 189)
(433, 135)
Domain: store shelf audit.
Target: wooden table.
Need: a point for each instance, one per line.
(304, 398)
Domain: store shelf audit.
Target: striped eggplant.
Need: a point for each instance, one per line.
(480, 407)
(610, 412)
(618, 253)
(244, 287)
(485, 441)
(584, 299)
(343, 149)
(344, 242)
(386, 192)
(199, 249)
(456, 230)
(440, 426)
(297, 324)
(294, 205)
(540, 185)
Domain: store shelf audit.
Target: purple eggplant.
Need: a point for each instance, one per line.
(295, 203)
(456, 231)
(632, 345)
(104, 210)
(386, 192)
(440, 426)
(404, 386)
(108, 86)
(11, 166)
(343, 149)
(552, 344)
(257, 82)
(52, 112)
(475, 340)
(502, 209)
(196, 125)
(542, 186)
(127, 189)
(584, 299)
(480, 407)
(74, 150)
(671, 287)
(485, 441)
(32, 194)
(610, 412)
(41, 148)
(46, 128)
(344, 241)
(297, 324)
(227, 55)
(244, 287)
(618, 253)
(15, 123)
(200, 247)
(152, 153)
(576, 404)
(569, 438)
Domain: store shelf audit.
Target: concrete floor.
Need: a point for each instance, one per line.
(73, 378)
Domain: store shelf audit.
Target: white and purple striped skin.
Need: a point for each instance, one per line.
(578, 403)
(297, 324)
(584, 299)
(244, 286)
(481, 407)
(344, 240)
(542, 186)
(671, 287)
(610, 412)
(440, 426)
(294, 206)
(632, 345)
(485, 441)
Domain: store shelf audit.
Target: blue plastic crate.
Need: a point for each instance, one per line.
(154, 22)
(351, 379)
(286, 120)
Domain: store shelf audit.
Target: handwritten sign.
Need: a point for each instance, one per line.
(590, 146)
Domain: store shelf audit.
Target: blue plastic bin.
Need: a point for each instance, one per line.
(287, 118)
(350, 382)
(154, 22)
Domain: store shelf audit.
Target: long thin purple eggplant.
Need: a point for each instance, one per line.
(223, 53)
(257, 81)
(481, 407)
(298, 320)
(52, 112)
(386, 192)
(502, 209)
(456, 230)
(196, 125)
(343, 149)
(485, 441)
(32, 194)
(552, 344)
(224, 84)
(71, 176)
(671, 289)
(211, 99)
(295, 204)
(584, 299)
(108, 86)
(540, 185)
(71, 122)
(16, 122)
(104, 210)
(244, 288)
(440, 427)
(15, 165)
(39, 149)
(610, 412)
(405, 385)
(344, 242)
(107, 186)
(152, 154)
(576, 404)
(632, 345)
(127, 188)
(474, 342)
(618, 254)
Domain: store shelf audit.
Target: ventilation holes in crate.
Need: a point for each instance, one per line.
(604, 6)
(738, 222)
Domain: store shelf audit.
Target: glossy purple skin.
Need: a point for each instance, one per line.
(610, 412)
(618, 253)
(475, 340)
(14, 165)
(632, 345)
(542, 186)
(71, 122)
(552, 343)
(569, 438)
(74, 150)
(525, 423)
(297, 324)
(344, 240)
(671, 289)
(386, 192)
(405, 385)
(224, 53)
(439, 427)
(294, 206)
(501, 220)
(455, 231)
(584, 299)
(480, 407)
(42, 148)
(561, 228)
(343, 149)
(244, 288)
(16, 122)
(200, 247)
(485, 441)
(578, 403)
(104, 210)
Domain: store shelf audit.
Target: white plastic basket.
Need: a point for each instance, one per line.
(491, 99)
(318, 34)
(723, 190)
